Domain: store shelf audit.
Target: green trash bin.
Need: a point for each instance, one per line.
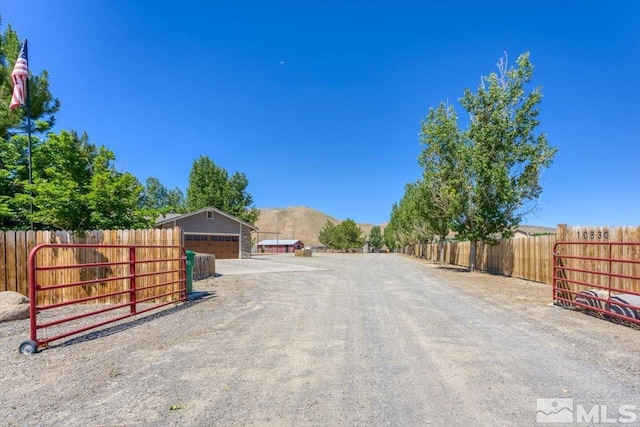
(191, 261)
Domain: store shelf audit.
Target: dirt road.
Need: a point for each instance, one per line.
(359, 340)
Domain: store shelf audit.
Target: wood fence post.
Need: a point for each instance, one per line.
(561, 236)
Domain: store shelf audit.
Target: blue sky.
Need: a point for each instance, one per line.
(319, 103)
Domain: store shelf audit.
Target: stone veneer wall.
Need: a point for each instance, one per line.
(245, 242)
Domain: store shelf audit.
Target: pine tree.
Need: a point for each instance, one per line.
(375, 238)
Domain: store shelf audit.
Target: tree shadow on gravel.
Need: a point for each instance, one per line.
(458, 269)
(194, 299)
(454, 268)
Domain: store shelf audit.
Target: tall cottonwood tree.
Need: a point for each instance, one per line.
(409, 217)
(211, 185)
(400, 223)
(481, 181)
(441, 162)
(503, 156)
(389, 237)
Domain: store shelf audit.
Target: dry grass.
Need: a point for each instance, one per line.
(495, 286)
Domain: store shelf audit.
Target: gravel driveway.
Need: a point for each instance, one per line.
(358, 340)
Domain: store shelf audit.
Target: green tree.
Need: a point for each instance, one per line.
(43, 104)
(176, 201)
(13, 177)
(503, 156)
(156, 196)
(347, 236)
(14, 171)
(326, 234)
(211, 185)
(417, 213)
(408, 218)
(114, 197)
(441, 160)
(63, 167)
(389, 237)
(75, 187)
(397, 225)
(375, 238)
(74, 184)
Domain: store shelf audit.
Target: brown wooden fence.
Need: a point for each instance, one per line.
(594, 245)
(526, 258)
(16, 245)
(205, 266)
(531, 258)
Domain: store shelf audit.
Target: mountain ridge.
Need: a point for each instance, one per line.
(298, 222)
(304, 223)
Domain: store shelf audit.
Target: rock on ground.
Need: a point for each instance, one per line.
(13, 306)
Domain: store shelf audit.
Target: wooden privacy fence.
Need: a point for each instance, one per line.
(16, 245)
(205, 266)
(601, 265)
(531, 258)
(526, 258)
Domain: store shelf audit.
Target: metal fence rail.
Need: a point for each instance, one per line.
(130, 278)
(599, 277)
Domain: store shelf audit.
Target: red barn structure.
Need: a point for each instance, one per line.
(279, 246)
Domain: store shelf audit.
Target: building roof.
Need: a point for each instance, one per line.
(274, 242)
(168, 218)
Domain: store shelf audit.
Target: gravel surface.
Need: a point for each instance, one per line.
(365, 340)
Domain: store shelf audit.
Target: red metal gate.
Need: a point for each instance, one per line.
(600, 277)
(125, 280)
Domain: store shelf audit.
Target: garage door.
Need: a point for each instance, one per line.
(223, 247)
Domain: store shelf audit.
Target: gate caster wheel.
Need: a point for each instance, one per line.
(28, 347)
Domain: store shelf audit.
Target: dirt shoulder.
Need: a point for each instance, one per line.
(502, 288)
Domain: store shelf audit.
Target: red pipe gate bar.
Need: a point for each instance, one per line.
(153, 275)
(603, 277)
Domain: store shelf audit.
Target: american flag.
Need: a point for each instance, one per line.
(19, 75)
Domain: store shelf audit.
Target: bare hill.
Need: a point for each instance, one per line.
(297, 222)
(536, 229)
(304, 223)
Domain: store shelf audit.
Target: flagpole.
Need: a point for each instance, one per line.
(28, 107)
(29, 154)
(20, 97)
